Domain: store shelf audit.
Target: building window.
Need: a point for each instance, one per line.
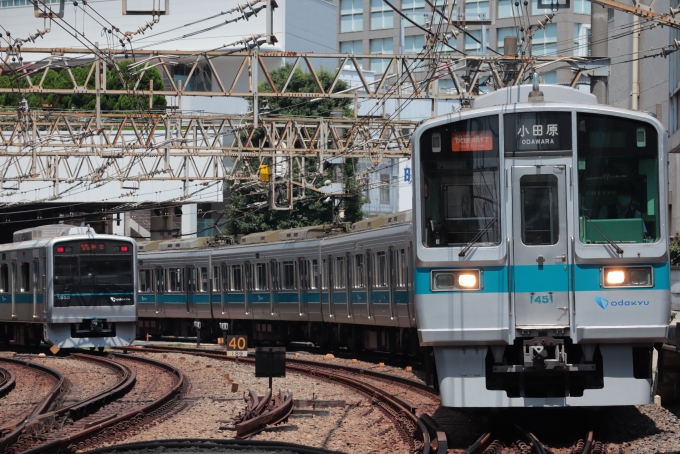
(352, 47)
(582, 6)
(351, 16)
(610, 13)
(544, 41)
(382, 15)
(549, 78)
(414, 10)
(507, 8)
(385, 189)
(501, 33)
(470, 44)
(477, 10)
(414, 44)
(381, 46)
(582, 40)
(535, 10)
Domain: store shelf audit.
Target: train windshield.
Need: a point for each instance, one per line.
(618, 178)
(460, 183)
(86, 277)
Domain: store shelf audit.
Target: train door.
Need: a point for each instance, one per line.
(13, 282)
(539, 256)
(36, 279)
(190, 273)
(160, 289)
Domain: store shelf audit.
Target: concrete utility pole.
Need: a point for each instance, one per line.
(598, 28)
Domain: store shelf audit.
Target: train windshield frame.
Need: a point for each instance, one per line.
(84, 277)
(618, 180)
(460, 183)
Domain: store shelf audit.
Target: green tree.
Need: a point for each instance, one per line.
(247, 208)
(62, 80)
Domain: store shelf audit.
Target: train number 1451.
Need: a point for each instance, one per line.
(541, 298)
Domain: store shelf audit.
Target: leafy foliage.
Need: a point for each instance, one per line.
(62, 80)
(311, 210)
(675, 252)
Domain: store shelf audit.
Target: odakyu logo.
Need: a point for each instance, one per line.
(604, 303)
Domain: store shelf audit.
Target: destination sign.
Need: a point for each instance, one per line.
(471, 141)
(538, 131)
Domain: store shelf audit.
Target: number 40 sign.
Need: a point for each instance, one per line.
(237, 345)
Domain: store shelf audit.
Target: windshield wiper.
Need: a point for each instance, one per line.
(478, 236)
(614, 245)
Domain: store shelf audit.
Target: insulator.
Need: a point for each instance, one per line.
(674, 12)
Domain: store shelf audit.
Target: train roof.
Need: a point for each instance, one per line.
(281, 237)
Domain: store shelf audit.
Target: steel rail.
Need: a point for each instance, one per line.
(265, 417)
(106, 422)
(233, 444)
(79, 409)
(314, 368)
(8, 381)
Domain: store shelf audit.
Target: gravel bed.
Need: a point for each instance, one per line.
(358, 427)
(31, 387)
(86, 378)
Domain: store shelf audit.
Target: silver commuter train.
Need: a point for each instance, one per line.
(360, 279)
(540, 234)
(69, 287)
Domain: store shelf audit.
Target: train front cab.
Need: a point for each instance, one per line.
(530, 291)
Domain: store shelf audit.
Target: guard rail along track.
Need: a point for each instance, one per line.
(413, 430)
(264, 411)
(7, 381)
(91, 423)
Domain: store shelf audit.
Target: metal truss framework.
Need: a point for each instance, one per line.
(463, 72)
(67, 148)
(643, 11)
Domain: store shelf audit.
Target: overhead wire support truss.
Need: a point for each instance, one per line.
(68, 147)
(237, 83)
(642, 11)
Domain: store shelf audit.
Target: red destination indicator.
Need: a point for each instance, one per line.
(472, 141)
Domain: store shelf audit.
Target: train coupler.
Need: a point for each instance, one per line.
(544, 354)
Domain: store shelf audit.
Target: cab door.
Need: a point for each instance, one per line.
(539, 260)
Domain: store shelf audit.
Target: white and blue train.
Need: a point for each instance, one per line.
(351, 290)
(541, 249)
(534, 263)
(69, 287)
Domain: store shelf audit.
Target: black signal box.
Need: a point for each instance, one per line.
(270, 362)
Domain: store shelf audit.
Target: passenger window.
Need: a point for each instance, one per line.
(339, 273)
(324, 274)
(540, 223)
(176, 280)
(225, 277)
(288, 276)
(261, 276)
(145, 284)
(202, 284)
(237, 278)
(359, 277)
(4, 278)
(25, 276)
(303, 270)
(314, 282)
(216, 281)
(402, 268)
(380, 275)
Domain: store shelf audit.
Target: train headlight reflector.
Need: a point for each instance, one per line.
(615, 277)
(456, 280)
(639, 276)
(467, 280)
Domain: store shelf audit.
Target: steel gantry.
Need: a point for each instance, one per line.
(130, 148)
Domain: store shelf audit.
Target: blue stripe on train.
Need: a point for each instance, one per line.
(551, 278)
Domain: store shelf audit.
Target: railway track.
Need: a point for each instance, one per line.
(129, 403)
(513, 438)
(7, 381)
(413, 431)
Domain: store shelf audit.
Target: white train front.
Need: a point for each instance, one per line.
(541, 250)
(68, 286)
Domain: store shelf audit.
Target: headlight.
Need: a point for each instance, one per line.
(617, 277)
(467, 280)
(456, 280)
